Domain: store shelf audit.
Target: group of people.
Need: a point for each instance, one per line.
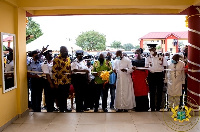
(129, 82)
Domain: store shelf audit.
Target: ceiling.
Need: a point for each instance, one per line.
(80, 7)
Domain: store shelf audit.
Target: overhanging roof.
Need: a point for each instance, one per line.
(163, 35)
(78, 7)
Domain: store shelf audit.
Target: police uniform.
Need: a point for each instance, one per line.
(80, 82)
(36, 86)
(50, 93)
(155, 77)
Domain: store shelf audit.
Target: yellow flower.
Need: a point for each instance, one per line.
(105, 75)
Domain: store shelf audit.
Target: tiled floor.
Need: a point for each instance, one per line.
(99, 122)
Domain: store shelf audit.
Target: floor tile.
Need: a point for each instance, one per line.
(119, 118)
(61, 128)
(92, 118)
(66, 118)
(99, 122)
(91, 128)
(12, 128)
(120, 128)
(152, 128)
(145, 118)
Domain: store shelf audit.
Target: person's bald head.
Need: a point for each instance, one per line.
(119, 53)
(63, 51)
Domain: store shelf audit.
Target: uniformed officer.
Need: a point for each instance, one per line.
(156, 63)
(80, 81)
(36, 82)
(50, 91)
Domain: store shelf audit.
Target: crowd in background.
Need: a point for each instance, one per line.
(132, 82)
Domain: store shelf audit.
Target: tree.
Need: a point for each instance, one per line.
(116, 44)
(158, 47)
(128, 47)
(137, 47)
(91, 41)
(33, 28)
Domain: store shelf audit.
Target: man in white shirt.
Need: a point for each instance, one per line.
(156, 64)
(80, 81)
(50, 91)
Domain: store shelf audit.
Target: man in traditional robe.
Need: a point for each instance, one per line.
(125, 98)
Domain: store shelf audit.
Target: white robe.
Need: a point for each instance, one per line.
(125, 98)
(175, 79)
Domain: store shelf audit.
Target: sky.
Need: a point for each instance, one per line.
(123, 28)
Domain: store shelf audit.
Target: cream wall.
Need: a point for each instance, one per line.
(14, 102)
(170, 45)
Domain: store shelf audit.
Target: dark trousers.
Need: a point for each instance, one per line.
(142, 103)
(112, 94)
(50, 96)
(63, 93)
(156, 84)
(91, 94)
(36, 93)
(81, 91)
(185, 95)
(98, 89)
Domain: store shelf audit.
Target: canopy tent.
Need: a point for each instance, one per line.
(54, 43)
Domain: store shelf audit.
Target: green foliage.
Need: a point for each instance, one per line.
(137, 47)
(91, 41)
(128, 47)
(33, 28)
(181, 44)
(4, 48)
(158, 47)
(116, 44)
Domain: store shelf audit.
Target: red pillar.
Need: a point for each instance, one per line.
(141, 43)
(194, 55)
(165, 45)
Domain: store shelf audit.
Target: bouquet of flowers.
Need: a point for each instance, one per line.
(105, 75)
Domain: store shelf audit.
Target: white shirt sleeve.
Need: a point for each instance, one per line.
(45, 68)
(147, 62)
(130, 66)
(74, 66)
(164, 61)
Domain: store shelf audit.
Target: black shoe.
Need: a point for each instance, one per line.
(86, 109)
(79, 111)
(68, 110)
(157, 109)
(125, 110)
(56, 109)
(96, 110)
(119, 110)
(112, 107)
(105, 110)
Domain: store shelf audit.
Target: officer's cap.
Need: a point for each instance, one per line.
(79, 52)
(151, 45)
(47, 52)
(34, 52)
